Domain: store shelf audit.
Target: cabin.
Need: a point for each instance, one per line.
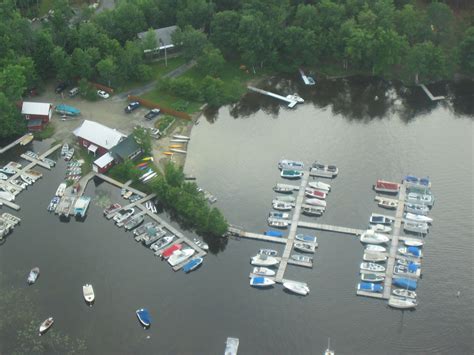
(97, 138)
(126, 149)
(163, 39)
(104, 163)
(38, 114)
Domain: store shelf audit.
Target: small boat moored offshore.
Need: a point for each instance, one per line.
(201, 244)
(323, 170)
(415, 198)
(179, 256)
(402, 302)
(260, 281)
(33, 275)
(299, 288)
(284, 188)
(302, 258)
(372, 267)
(192, 264)
(45, 325)
(278, 222)
(88, 292)
(263, 271)
(143, 316)
(289, 199)
(387, 187)
(411, 180)
(290, 164)
(413, 242)
(370, 287)
(61, 188)
(291, 174)
(122, 215)
(387, 203)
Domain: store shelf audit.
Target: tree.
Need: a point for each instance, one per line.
(12, 82)
(441, 21)
(216, 224)
(143, 139)
(42, 52)
(388, 49)
(426, 62)
(213, 91)
(174, 175)
(306, 17)
(466, 52)
(195, 13)
(211, 61)
(62, 64)
(412, 23)
(191, 41)
(12, 122)
(224, 27)
(81, 63)
(149, 42)
(298, 47)
(107, 69)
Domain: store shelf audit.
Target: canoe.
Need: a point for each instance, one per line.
(192, 264)
(168, 153)
(176, 146)
(144, 317)
(260, 281)
(263, 271)
(148, 159)
(88, 292)
(299, 288)
(178, 151)
(33, 275)
(142, 164)
(45, 325)
(178, 136)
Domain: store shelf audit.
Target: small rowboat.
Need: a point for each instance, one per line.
(88, 293)
(263, 271)
(299, 288)
(45, 325)
(144, 317)
(148, 159)
(176, 146)
(33, 275)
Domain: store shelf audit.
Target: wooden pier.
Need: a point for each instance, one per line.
(430, 95)
(119, 184)
(14, 143)
(285, 259)
(263, 237)
(291, 103)
(37, 161)
(331, 228)
(34, 163)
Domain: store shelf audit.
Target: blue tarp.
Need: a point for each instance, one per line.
(192, 264)
(405, 283)
(412, 267)
(258, 280)
(414, 251)
(67, 110)
(271, 233)
(369, 286)
(411, 178)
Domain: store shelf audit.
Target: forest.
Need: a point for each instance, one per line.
(408, 40)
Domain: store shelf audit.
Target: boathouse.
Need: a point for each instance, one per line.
(104, 163)
(126, 149)
(97, 138)
(37, 114)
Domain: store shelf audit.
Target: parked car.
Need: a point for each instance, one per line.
(61, 87)
(132, 106)
(73, 92)
(152, 114)
(103, 94)
(155, 133)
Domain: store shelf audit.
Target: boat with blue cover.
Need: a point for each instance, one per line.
(272, 233)
(370, 287)
(405, 283)
(67, 110)
(414, 180)
(306, 238)
(144, 317)
(192, 264)
(411, 251)
(260, 281)
(410, 270)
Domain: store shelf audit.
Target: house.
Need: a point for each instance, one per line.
(163, 38)
(104, 163)
(97, 138)
(126, 149)
(38, 114)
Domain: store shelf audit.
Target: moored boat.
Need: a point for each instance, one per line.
(283, 188)
(387, 203)
(302, 258)
(88, 292)
(315, 202)
(323, 170)
(178, 136)
(312, 210)
(201, 244)
(413, 242)
(412, 180)
(376, 248)
(192, 264)
(372, 267)
(144, 317)
(423, 199)
(53, 204)
(61, 189)
(417, 209)
(404, 293)
(113, 208)
(45, 325)
(306, 238)
(64, 149)
(33, 275)
(370, 277)
(263, 271)
(3, 176)
(263, 260)
(282, 206)
(261, 281)
(319, 185)
(291, 174)
(290, 164)
(289, 199)
(299, 288)
(379, 219)
(134, 222)
(371, 237)
(69, 154)
(170, 250)
(272, 233)
(162, 243)
(307, 80)
(281, 215)
(278, 222)
(7, 196)
(123, 214)
(305, 247)
(402, 302)
(407, 284)
(370, 287)
(179, 256)
(268, 252)
(411, 270)
(418, 218)
(411, 251)
(387, 187)
(380, 228)
(310, 192)
(374, 257)
(415, 227)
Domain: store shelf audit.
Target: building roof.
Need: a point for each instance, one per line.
(125, 148)
(163, 36)
(104, 160)
(98, 134)
(35, 108)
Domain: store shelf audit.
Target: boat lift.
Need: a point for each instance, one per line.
(291, 99)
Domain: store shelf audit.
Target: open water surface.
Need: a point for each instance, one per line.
(233, 153)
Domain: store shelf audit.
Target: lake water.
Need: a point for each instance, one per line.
(370, 130)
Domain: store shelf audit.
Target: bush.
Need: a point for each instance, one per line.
(186, 88)
(213, 91)
(87, 91)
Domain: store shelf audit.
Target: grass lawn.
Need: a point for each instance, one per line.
(171, 101)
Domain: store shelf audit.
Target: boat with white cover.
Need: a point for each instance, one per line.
(261, 281)
(278, 222)
(299, 288)
(88, 292)
(374, 257)
(7, 196)
(312, 210)
(263, 260)
(290, 164)
(323, 170)
(328, 350)
(305, 247)
(373, 267)
(64, 149)
(302, 258)
(315, 202)
(45, 325)
(413, 242)
(282, 206)
(289, 199)
(416, 227)
(61, 189)
(402, 302)
(231, 346)
(284, 188)
(415, 198)
(380, 228)
(179, 256)
(417, 209)
(263, 271)
(401, 292)
(376, 248)
(319, 185)
(33, 275)
(418, 218)
(370, 237)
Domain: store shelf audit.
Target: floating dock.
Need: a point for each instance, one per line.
(331, 228)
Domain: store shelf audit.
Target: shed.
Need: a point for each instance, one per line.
(126, 149)
(37, 110)
(104, 163)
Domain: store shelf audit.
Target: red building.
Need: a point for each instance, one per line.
(97, 138)
(38, 114)
(104, 163)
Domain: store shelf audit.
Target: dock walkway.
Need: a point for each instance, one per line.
(430, 95)
(119, 184)
(14, 143)
(331, 228)
(37, 161)
(285, 259)
(291, 103)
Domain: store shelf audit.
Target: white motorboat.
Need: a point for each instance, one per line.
(8, 170)
(371, 277)
(415, 198)
(305, 247)
(416, 227)
(282, 206)
(281, 215)
(123, 215)
(291, 174)
(413, 242)
(418, 218)
(380, 228)
(7, 196)
(299, 288)
(312, 210)
(302, 258)
(371, 237)
(310, 192)
(319, 185)
(263, 271)
(411, 251)
(3, 176)
(161, 244)
(289, 199)
(290, 164)
(61, 188)
(376, 248)
(402, 302)
(315, 202)
(401, 292)
(408, 262)
(45, 325)
(88, 292)
(260, 281)
(201, 244)
(380, 219)
(64, 149)
(26, 179)
(323, 170)
(328, 350)
(372, 267)
(179, 256)
(404, 270)
(263, 260)
(307, 238)
(278, 222)
(284, 188)
(387, 203)
(268, 252)
(33, 275)
(417, 209)
(374, 257)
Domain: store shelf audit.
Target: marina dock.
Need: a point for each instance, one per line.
(285, 259)
(331, 228)
(430, 95)
(119, 184)
(38, 162)
(291, 103)
(14, 143)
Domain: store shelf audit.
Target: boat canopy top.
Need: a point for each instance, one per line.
(412, 267)
(414, 250)
(272, 233)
